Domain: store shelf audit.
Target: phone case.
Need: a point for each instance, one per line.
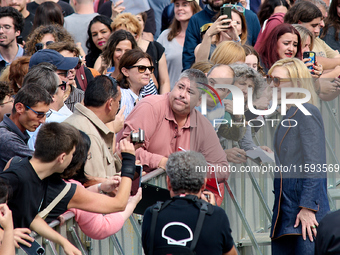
(35, 249)
(310, 55)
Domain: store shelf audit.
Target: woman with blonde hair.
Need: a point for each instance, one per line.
(172, 38)
(228, 52)
(129, 22)
(300, 196)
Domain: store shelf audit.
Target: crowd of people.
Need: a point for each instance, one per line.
(78, 78)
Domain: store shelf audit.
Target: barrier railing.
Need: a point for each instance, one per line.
(249, 211)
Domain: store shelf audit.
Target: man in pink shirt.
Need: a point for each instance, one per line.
(171, 123)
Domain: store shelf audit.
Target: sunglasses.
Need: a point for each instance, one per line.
(40, 115)
(62, 86)
(276, 80)
(142, 69)
(236, 7)
(40, 46)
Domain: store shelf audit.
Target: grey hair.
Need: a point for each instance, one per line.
(43, 74)
(195, 75)
(187, 171)
(243, 71)
(218, 65)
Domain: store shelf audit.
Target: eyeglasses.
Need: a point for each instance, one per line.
(40, 115)
(142, 69)
(276, 80)
(40, 46)
(236, 7)
(9, 101)
(5, 27)
(62, 86)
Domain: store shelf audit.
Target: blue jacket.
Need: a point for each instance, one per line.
(300, 186)
(193, 33)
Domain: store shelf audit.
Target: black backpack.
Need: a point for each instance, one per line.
(178, 250)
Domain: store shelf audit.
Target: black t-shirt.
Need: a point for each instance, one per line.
(55, 186)
(67, 9)
(215, 236)
(28, 26)
(28, 192)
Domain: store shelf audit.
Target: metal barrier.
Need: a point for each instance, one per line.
(248, 201)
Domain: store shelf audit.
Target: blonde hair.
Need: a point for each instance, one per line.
(203, 66)
(127, 21)
(304, 34)
(228, 52)
(299, 75)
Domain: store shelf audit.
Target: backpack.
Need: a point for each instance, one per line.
(177, 250)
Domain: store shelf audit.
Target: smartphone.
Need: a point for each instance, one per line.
(311, 56)
(19, 39)
(35, 249)
(137, 178)
(226, 11)
(139, 170)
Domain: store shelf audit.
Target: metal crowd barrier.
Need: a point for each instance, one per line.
(248, 201)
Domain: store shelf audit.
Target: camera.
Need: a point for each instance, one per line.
(137, 137)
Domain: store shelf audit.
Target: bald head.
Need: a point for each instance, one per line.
(221, 71)
(220, 74)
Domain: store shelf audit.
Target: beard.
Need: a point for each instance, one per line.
(216, 7)
(6, 44)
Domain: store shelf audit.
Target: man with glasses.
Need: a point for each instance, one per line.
(11, 25)
(6, 99)
(49, 64)
(31, 107)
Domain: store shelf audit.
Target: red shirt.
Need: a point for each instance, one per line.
(154, 115)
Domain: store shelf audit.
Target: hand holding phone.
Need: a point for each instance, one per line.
(226, 11)
(310, 55)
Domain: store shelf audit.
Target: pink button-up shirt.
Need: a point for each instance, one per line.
(154, 115)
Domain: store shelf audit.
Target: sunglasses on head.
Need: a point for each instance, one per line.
(236, 7)
(40, 46)
(62, 86)
(276, 80)
(40, 115)
(142, 69)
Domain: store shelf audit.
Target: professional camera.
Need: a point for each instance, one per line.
(137, 137)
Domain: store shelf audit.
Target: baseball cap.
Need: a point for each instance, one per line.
(53, 57)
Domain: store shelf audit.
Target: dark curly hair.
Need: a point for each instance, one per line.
(18, 19)
(5, 90)
(93, 51)
(59, 33)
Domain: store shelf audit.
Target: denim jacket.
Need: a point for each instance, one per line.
(299, 149)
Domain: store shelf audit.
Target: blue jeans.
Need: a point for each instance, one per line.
(291, 245)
